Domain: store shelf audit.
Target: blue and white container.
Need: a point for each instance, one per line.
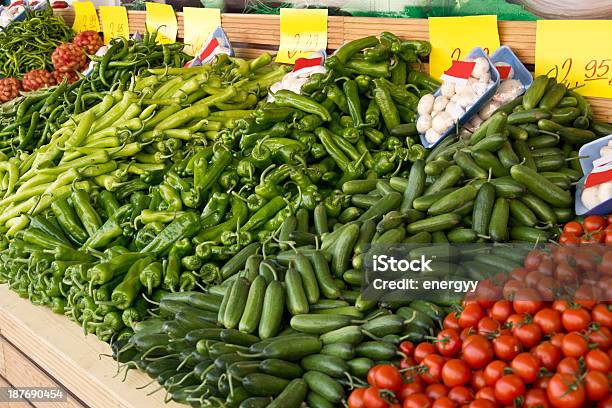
(521, 73)
(588, 154)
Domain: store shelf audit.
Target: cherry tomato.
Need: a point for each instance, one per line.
(564, 390)
(373, 399)
(560, 305)
(478, 352)
(488, 327)
(600, 336)
(557, 339)
(569, 239)
(448, 342)
(574, 345)
(487, 393)
(407, 347)
(576, 319)
(509, 388)
(444, 402)
(536, 398)
(432, 365)
(595, 237)
(549, 320)
(597, 385)
(506, 347)
(528, 334)
(548, 287)
(372, 375)
(407, 362)
(501, 310)
(548, 355)
(409, 389)
(574, 228)
(598, 360)
(532, 278)
(569, 365)
(515, 321)
(594, 223)
(478, 380)
(511, 287)
(461, 395)
(526, 366)
(542, 382)
(422, 350)
(482, 403)
(456, 372)
(471, 315)
(533, 260)
(587, 296)
(355, 400)
(417, 401)
(527, 300)
(451, 322)
(517, 274)
(388, 377)
(493, 372)
(565, 273)
(607, 403)
(547, 266)
(435, 391)
(602, 314)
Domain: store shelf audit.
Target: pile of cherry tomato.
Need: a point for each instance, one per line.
(592, 229)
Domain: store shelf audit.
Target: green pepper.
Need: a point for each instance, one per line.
(151, 276)
(179, 249)
(423, 81)
(309, 123)
(373, 69)
(383, 99)
(187, 281)
(270, 115)
(301, 102)
(268, 187)
(309, 197)
(363, 82)
(255, 202)
(335, 94)
(378, 53)
(351, 90)
(344, 53)
(184, 226)
(265, 213)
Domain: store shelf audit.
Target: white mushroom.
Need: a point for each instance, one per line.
(485, 78)
(481, 68)
(590, 197)
(605, 151)
(454, 110)
(455, 98)
(423, 123)
(432, 136)
(509, 90)
(442, 122)
(425, 105)
(488, 108)
(440, 103)
(480, 88)
(448, 89)
(604, 192)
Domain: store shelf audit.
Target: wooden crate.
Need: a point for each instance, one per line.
(41, 349)
(252, 34)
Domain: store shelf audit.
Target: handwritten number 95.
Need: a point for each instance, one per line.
(594, 70)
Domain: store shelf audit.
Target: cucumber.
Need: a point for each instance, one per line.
(315, 400)
(236, 303)
(491, 143)
(541, 187)
(489, 161)
(424, 202)
(349, 334)
(382, 206)
(542, 210)
(564, 214)
(325, 386)
(264, 385)
(319, 324)
(233, 336)
(498, 227)
(330, 365)
(453, 200)
(297, 303)
(255, 402)
(415, 317)
(432, 310)
(376, 350)
(524, 154)
(507, 187)
(449, 177)
(309, 279)
(436, 167)
(536, 91)
(254, 305)
(353, 187)
(281, 368)
(507, 156)
(324, 277)
(483, 208)
(543, 141)
(345, 351)
(469, 166)
(343, 248)
(292, 396)
(462, 236)
(522, 214)
(384, 325)
(436, 223)
(360, 366)
(529, 234)
(416, 185)
(292, 349)
(272, 310)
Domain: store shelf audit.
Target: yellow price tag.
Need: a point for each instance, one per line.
(452, 38)
(114, 22)
(578, 53)
(302, 32)
(85, 17)
(162, 17)
(199, 23)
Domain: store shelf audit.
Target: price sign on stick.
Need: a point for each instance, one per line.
(578, 52)
(199, 24)
(114, 22)
(452, 38)
(302, 32)
(162, 17)
(85, 17)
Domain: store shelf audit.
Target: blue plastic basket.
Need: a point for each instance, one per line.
(588, 154)
(522, 74)
(475, 53)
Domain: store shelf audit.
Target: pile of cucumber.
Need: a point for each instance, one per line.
(317, 358)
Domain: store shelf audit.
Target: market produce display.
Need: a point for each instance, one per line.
(211, 223)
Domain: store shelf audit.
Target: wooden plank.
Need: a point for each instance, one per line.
(5, 383)
(21, 372)
(58, 346)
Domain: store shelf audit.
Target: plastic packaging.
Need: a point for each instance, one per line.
(521, 73)
(588, 154)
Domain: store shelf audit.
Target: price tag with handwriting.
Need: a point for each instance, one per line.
(114, 22)
(577, 52)
(161, 17)
(452, 38)
(199, 24)
(85, 17)
(302, 32)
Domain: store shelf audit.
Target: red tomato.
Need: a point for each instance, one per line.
(477, 351)
(607, 403)
(600, 336)
(569, 239)
(536, 398)
(451, 322)
(417, 401)
(560, 305)
(435, 391)
(508, 389)
(569, 365)
(487, 393)
(557, 339)
(598, 360)
(387, 377)
(574, 345)
(444, 402)
(471, 315)
(602, 314)
(594, 223)
(493, 372)
(487, 326)
(565, 273)
(576, 319)
(448, 342)
(511, 287)
(548, 355)
(527, 300)
(482, 403)
(409, 389)
(533, 260)
(574, 228)
(506, 347)
(461, 395)
(547, 266)
(518, 274)
(501, 310)
(564, 390)
(432, 366)
(372, 375)
(548, 287)
(515, 321)
(526, 366)
(456, 372)
(528, 334)
(478, 380)
(422, 350)
(532, 278)
(542, 382)
(595, 237)
(597, 386)
(587, 296)
(407, 362)
(407, 347)
(355, 400)
(372, 398)
(549, 321)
